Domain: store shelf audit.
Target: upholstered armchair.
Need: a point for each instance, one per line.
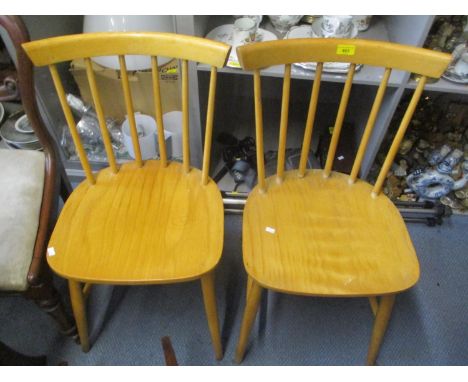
(30, 185)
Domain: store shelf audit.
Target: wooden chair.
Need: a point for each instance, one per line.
(31, 183)
(142, 222)
(321, 232)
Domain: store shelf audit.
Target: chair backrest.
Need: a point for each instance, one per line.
(54, 50)
(390, 56)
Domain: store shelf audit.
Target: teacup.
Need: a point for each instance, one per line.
(461, 67)
(244, 31)
(284, 22)
(336, 26)
(361, 22)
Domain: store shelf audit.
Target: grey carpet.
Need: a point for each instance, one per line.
(429, 325)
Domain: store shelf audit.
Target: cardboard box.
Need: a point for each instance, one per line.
(141, 85)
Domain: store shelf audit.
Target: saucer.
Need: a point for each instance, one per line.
(450, 74)
(307, 31)
(223, 33)
(13, 137)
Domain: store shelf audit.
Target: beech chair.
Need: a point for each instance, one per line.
(142, 222)
(320, 232)
(31, 183)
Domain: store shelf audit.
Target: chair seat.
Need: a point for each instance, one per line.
(139, 226)
(21, 187)
(325, 237)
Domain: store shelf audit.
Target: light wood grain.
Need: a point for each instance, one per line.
(150, 222)
(368, 52)
(185, 117)
(101, 116)
(130, 110)
(143, 225)
(259, 130)
(209, 126)
(71, 124)
(71, 47)
(209, 297)
(374, 303)
(319, 232)
(310, 120)
(339, 120)
(330, 238)
(79, 311)
(399, 136)
(158, 111)
(380, 326)
(283, 122)
(251, 308)
(370, 125)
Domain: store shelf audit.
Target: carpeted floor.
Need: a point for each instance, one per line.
(429, 324)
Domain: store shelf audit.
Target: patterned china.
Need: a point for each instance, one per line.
(224, 33)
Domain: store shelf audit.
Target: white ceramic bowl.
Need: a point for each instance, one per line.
(128, 24)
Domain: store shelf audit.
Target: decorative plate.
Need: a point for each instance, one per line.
(450, 74)
(307, 31)
(223, 33)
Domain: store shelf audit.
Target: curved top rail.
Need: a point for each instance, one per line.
(368, 52)
(66, 48)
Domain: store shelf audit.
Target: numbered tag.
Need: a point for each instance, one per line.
(346, 50)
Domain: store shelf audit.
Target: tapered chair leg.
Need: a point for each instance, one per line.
(209, 297)
(249, 285)
(79, 311)
(380, 326)
(254, 295)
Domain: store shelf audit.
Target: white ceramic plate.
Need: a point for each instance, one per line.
(310, 31)
(450, 74)
(223, 33)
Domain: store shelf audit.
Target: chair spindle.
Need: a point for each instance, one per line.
(370, 125)
(339, 121)
(100, 114)
(310, 120)
(284, 122)
(158, 111)
(71, 124)
(130, 110)
(259, 130)
(209, 126)
(185, 117)
(399, 136)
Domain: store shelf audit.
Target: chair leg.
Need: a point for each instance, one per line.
(46, 297)
(254, 295)
(249, 286)
(380, 326)
(209, 298)
(374, 303)
(79, 311)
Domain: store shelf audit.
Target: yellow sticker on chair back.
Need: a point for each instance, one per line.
(346, 50)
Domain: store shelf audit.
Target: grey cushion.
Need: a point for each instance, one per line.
(21, 187)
